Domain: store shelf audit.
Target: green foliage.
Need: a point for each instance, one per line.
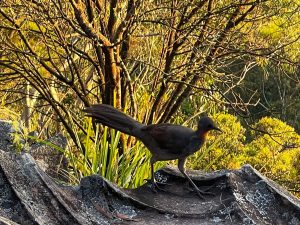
(273, 148)
(277, 154)
(127, 168)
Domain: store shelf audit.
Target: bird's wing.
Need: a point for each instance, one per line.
(169, 137)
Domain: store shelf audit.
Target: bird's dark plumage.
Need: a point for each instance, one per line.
(164, 141)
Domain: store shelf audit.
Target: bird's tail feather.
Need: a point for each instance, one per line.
(114, 118)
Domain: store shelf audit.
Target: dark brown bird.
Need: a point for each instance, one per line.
(164, 141)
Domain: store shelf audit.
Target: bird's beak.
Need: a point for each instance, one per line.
(218, 129)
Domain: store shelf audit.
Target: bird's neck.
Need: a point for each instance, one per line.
(202, 134)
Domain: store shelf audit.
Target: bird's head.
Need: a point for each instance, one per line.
(206, 124)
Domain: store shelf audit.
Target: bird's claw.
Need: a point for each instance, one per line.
(200, 193)
(155, 186)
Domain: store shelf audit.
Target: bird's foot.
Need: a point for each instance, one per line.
(201, 193)
(209, 188)
(155, 186)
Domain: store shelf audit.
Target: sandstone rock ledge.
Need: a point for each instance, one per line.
(244, 196)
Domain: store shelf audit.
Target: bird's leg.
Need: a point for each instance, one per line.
(154, 184)
(182, 170)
